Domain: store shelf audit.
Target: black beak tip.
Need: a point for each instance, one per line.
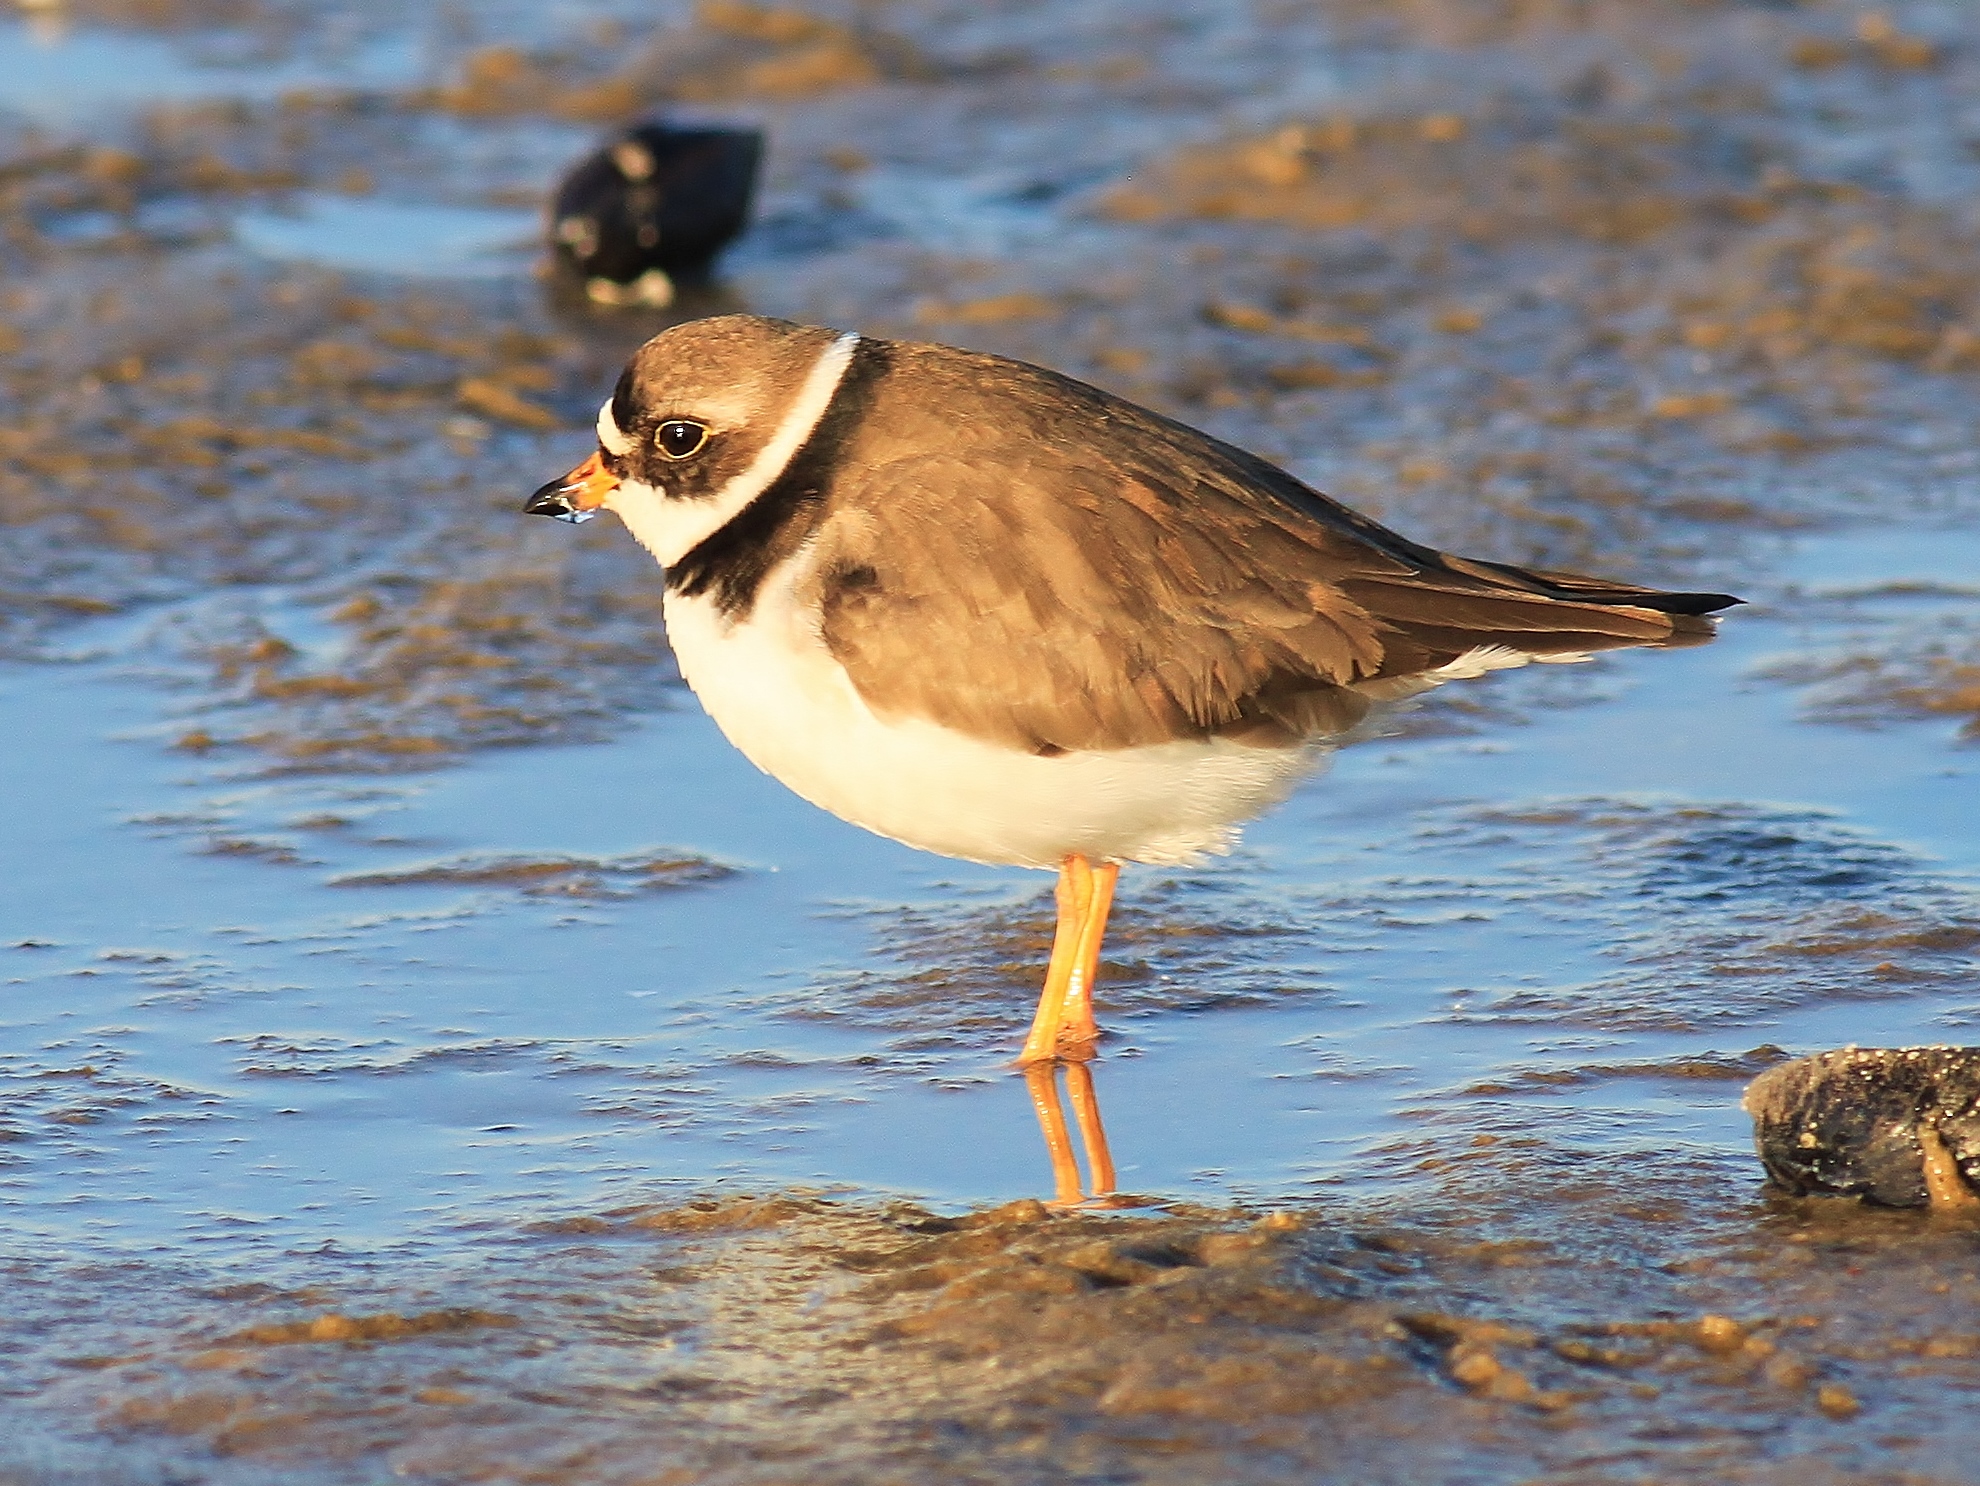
(554, 500)
(549, 500)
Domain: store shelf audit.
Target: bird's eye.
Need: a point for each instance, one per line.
(678, 437)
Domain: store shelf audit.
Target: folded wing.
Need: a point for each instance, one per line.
(1156, 584)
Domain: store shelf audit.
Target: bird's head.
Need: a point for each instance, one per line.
(705, 417)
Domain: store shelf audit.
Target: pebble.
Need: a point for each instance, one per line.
(1899, 1127)
(653, 203)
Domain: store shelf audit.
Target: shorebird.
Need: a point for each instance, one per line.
(993, 612)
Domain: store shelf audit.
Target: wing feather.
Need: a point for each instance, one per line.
(1118, 580)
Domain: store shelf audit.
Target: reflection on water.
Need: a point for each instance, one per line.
(1042, 1080)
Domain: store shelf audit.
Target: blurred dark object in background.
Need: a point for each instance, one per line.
(1896, 1126)
(656, 202)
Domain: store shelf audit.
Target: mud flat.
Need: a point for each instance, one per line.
(1544, 1319)
(429, 1052)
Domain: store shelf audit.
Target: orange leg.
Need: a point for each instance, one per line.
(1078, 1032)
(1074, 894)
(1064, 1026)
(1063, 1033)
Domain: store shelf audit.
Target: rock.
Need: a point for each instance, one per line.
(1895, 1126)
(655, 202)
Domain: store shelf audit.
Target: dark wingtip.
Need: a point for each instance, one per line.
(1665, 603)
(1690, 603)
(1690, 621)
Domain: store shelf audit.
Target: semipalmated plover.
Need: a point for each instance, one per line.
(654, 202)
(993, 612)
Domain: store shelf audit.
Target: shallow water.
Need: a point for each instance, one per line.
(387, 933)
(394, 237)
(64, 75)
(1448, 934)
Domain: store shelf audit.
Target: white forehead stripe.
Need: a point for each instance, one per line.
(672, 527)
(610, 439)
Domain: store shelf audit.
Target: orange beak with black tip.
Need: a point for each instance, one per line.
(577, 496)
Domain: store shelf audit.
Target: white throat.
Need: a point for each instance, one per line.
(672, 527)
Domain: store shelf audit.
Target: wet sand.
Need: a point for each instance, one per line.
(430, 1053)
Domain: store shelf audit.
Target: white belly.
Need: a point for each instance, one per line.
(774, 689)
